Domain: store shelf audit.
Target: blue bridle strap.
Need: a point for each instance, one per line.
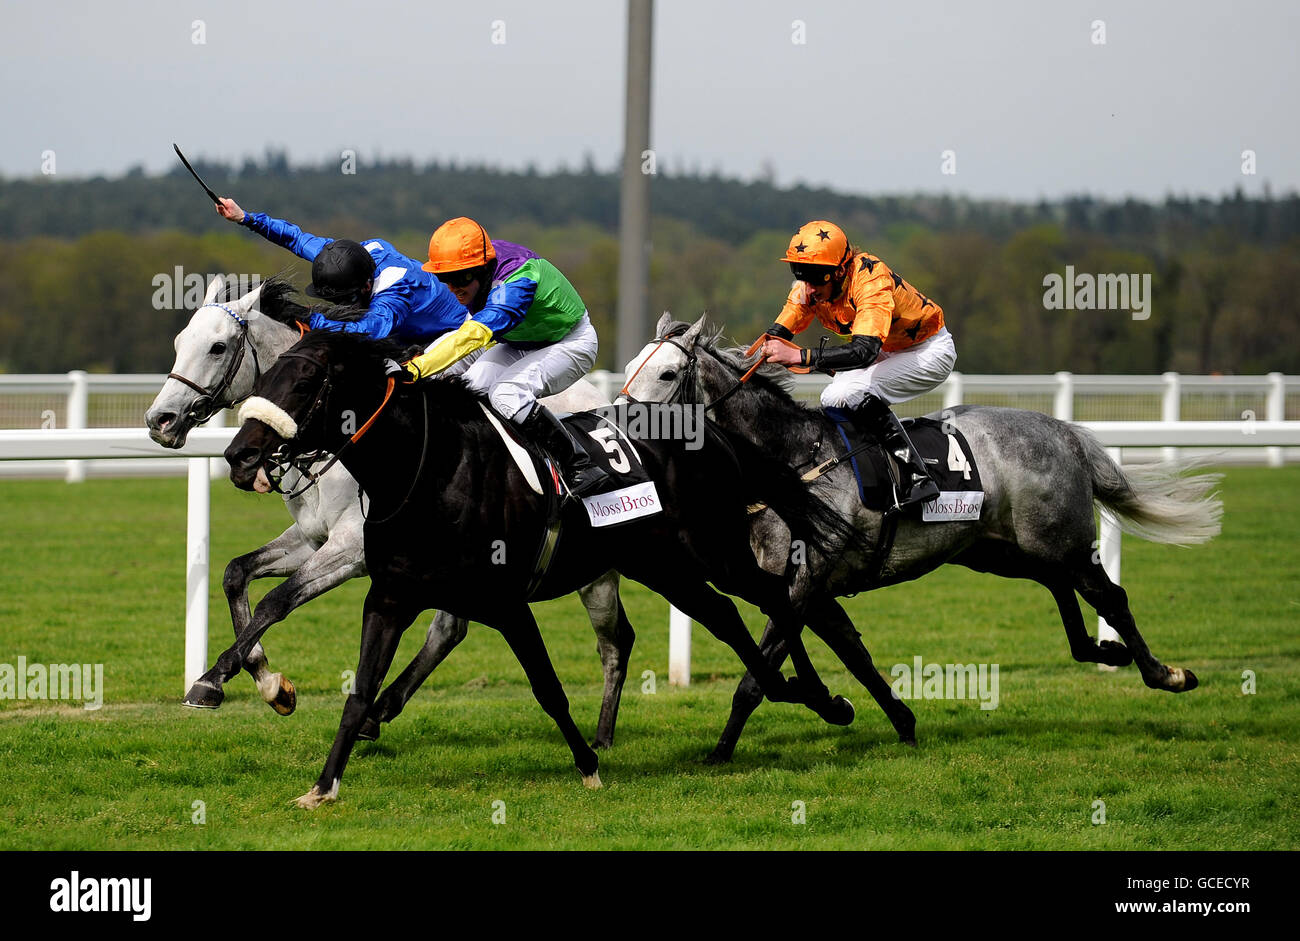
(233, 316)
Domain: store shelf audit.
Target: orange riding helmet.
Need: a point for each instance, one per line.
(459, 244)
(818, 250)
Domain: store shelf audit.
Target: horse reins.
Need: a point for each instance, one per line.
(419, 468)
(691, 364)
(313, 478)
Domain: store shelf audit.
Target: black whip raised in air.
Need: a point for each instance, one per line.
(207, 189)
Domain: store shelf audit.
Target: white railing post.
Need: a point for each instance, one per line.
(952, 390)
(1109, 550)
(217, 466)
(679, 648)
(1171, 408)
(196, 571)
(1063, 407)
(1276, 411)
(78, 410)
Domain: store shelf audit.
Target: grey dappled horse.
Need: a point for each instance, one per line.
(220, 353)
(1041, 479)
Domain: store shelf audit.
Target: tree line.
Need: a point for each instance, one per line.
(80, 259)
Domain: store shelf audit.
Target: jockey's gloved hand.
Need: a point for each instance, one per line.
(398, 371)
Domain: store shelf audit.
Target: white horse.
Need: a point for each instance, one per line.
(219, 355)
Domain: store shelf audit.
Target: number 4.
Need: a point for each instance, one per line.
(957, 458)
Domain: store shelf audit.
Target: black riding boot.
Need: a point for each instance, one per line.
(917, 484)
(582, 476)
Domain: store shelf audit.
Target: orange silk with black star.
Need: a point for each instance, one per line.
(876, 302)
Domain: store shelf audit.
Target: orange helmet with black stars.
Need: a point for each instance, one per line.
(817, 251)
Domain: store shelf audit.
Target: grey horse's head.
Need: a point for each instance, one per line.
(685, 363)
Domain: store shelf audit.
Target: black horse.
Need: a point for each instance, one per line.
(454, 525)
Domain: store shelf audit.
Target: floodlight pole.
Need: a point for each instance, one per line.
(634, 199)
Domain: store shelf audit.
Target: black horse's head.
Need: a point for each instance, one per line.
(315, 396)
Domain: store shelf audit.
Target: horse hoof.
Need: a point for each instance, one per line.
(369, 731)
(717, 757)
(286, 700)
(839, 712)
(315, 797)
(592, 781)
(1180, 680)
(1113, 654)
(602, 744)
(203, 696)
(1192, 682)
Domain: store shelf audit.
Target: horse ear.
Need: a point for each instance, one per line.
(249, 300)
(664, 321)
(693, 333)
(214, 290)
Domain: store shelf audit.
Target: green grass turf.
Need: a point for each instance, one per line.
(94, 573)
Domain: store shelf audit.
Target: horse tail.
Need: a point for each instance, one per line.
(775, 484)
(1161, 503)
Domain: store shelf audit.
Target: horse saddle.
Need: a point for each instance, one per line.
(947, 457)
(602, 433)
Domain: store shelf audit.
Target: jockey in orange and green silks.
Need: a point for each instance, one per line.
(898, 345)
(528, 335)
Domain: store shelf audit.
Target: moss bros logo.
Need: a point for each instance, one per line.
(620, 506)
(953, 505)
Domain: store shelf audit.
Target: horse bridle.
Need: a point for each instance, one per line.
(689, 380)
(281, 457)
(209, 401)
(690, 372)
(302, 463)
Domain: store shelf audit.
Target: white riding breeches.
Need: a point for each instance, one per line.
(514, 379)
(895, 377)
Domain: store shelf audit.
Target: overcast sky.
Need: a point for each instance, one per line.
(1028, 102)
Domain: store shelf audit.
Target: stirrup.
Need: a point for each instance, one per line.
(918, 491)
(582, 481)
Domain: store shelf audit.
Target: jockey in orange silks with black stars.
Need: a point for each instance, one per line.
(898, 345)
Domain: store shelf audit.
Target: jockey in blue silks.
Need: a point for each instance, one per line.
(526, 333)
(400, 299)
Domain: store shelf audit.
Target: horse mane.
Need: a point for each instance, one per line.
(278, 301)
(453, 401)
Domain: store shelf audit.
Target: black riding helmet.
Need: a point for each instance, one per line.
(340, 272)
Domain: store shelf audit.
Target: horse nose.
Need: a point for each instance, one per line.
(158, 420)
(242, 459)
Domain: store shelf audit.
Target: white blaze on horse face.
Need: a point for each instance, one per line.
(655, 372)
(197, 363)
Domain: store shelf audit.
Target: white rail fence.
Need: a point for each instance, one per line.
(79, 400)
(206, 443)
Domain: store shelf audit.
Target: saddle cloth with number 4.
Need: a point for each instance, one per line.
(947, 457)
